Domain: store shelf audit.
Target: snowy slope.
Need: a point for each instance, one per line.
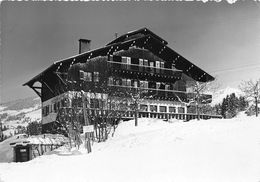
(6, 154)
(19, 113)
(211, 150)
(218, 97)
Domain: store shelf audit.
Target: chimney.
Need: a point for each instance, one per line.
(84, 45)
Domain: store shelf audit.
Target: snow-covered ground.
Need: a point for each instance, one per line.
(19, 113)
(207, 150)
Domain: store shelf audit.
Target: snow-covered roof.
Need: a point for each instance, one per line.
(46, 139)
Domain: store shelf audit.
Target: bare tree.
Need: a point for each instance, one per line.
(137, 95)
(136, 98)
(197, 94)
(251, 90)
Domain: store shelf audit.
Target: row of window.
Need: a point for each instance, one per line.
(89, 76)
(95, 76)
(53, 108)
(101, 104)
(179, 85)
(138, 61)
(154, 108)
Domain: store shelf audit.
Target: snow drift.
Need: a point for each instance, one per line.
(205, 150)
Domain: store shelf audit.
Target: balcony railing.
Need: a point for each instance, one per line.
(142, 68)
(129, 114)
(153, 93)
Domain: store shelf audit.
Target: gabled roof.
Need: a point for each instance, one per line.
(142, 31)
(148, 40)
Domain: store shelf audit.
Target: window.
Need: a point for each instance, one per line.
(145, 62)
(145, 84)
(110, 57)
(103, 104)
(55, 107)
(172, 109)
(128, 83)
(47, 110)
(96, 76)
(88, 76)
(157, 64)
(59, 105)
(113, 105)
(143, 107)
(94, 103)
(153, 108)
(50, 108)
(124, 82)
(141, 84)
(43, 111)
(189, 89)
(163, 108)
(110, 81)
(173, 66)
(118, 82)
(135, 84)
(180, 109)
(128, 60)
(124, 61)
(162, 64)
(152, 66)
(81, 74)
(158, 85)
(141, 62)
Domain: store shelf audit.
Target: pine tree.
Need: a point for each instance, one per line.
(34, 128)
(233, 105)
(224, 107)
(243, 104)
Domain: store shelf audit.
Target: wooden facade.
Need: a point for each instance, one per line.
(138, 60)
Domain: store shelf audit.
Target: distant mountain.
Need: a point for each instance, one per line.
(218, 97)
(20, 104)
(16, 114)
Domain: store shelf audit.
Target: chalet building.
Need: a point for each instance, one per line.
(137, 63)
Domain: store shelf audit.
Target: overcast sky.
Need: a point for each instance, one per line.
(222, 39)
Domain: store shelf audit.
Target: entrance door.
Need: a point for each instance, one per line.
(22, 153)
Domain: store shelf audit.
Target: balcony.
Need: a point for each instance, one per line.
(150, 93)
(144, 70)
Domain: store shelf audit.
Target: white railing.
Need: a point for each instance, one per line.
(143, 66)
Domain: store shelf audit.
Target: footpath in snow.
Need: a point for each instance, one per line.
(205, 150)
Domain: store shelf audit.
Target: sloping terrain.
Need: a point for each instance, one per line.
(19, 113)
(207, 150)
